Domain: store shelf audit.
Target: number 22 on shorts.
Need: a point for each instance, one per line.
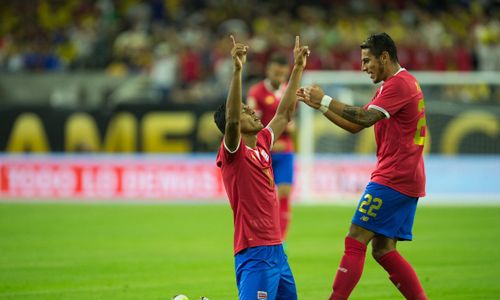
(370, 206)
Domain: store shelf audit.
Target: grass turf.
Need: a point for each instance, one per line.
(117, 251)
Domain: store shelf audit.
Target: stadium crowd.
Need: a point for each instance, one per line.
(182, 44)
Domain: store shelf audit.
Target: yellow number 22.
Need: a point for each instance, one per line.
(377, 203)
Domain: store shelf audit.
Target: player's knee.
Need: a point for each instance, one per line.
(360, 234)
(381, 246)
(377, 253)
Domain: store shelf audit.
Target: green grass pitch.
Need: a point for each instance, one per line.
(132, 251)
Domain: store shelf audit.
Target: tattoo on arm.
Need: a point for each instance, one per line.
(360, 116)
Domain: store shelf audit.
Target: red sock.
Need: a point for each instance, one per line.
(284, 215)
(402, 275)
(350, 269)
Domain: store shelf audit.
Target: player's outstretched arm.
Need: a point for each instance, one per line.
(233, 102)
(351, 118)
(343, 123)
(334, 118)
(287, 104)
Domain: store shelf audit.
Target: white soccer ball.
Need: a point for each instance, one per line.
(180, 297)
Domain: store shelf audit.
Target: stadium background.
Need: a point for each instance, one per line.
(144, 77)
(112, 101)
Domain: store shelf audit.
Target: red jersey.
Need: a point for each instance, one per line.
(248, 179)
(400, 136)
(266, 103)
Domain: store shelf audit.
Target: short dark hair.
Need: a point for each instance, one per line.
(380, 42)
(220, 117)
(279, 58)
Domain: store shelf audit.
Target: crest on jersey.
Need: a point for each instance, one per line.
(269, 100)
(261, 295)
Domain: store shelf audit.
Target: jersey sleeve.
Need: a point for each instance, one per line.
(267, 137)
(226, 156)
(391, 98)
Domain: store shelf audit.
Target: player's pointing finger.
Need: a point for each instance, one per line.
(297, 41)
(232, 38)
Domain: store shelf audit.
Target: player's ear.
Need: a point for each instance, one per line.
(385, 57)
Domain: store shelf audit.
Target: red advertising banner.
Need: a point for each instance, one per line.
(109, 178)
(158, 178)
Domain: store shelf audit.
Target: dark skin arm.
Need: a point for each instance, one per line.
(287, 104)
(233, 103)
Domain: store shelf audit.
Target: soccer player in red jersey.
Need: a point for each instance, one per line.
(264, 97)
(261, 265)
(386, 210)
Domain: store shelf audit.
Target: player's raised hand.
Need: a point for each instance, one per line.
(310, 95)
(316, 94)
(300, 53)
(238, 53)
(304, 95)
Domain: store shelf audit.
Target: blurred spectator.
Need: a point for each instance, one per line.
(132, 48)
(164, 71)
(181, 43)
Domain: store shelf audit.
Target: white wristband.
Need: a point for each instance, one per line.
(326, 101)
(323, 109)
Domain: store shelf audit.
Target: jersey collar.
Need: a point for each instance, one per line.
(400, 70)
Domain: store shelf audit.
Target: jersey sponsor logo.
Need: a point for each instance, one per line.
(261, 295)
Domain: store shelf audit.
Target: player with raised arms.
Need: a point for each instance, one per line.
(386, 210)
(261, 265)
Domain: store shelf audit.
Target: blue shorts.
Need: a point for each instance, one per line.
(386, 212)
(283, 167)
(263, 273)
